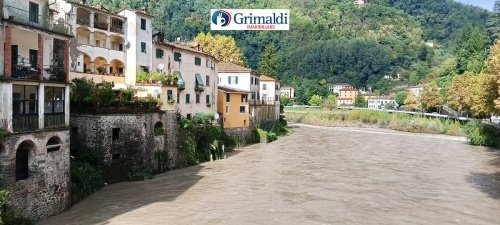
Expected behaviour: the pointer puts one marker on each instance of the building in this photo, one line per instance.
(368, 94)
(416, 90)
(379, 102)
(269, 90)
(196, 72)
(234, 108)
(235, 76)
(347, 96)
(287, 92)
(335, 88)
(34, 108)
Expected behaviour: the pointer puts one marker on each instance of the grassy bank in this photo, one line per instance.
(380, 119)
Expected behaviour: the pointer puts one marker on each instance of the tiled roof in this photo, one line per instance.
(184, 47)
(348, 89)
(235, 90)
(97, 7)
(381, 98)
(266, 78)
(231, 67)
(346, 99)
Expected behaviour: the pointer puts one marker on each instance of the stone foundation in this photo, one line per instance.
(126, 143)
(46, 189)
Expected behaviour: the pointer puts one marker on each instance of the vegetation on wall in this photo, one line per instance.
(9, 216)
(86, 175)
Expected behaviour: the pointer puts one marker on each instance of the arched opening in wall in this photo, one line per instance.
(83, 36)
(116, 67)
(86, 64)
(22, 159)
(100, 65)
(83, 17)
(54, 144)
(159, 129)
(2, 149)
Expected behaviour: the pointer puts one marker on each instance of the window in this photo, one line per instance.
(143, 24)
(276, 87)
(187, 98)
(188, 116)
(170, 95)
(34, 58)
(256, 82)
(276, 98)
(178, 99)
(177, 56)
(227, 109)
(207, 99)
(143, 47)
(229, 79)
(24, 99)
(228, 97)
(207, 81)
(244, 98)
(159, 53)
(253, 95)
(264, 87)
(251, 80)
(120, 47)
(54, 144)
(236, 79)
(116, 134)
(197, 98)
(243, 109)
(54, 100)
(33, 12)
(197, 61)
(207, 63)
(158, 129)
(22, 160)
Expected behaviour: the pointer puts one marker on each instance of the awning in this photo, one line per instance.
(180, 80)
(199, 80)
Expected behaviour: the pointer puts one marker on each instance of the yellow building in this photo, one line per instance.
(233, 106)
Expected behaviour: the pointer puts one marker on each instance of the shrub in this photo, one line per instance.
(143, 77)
(271, 137)
(85, 180)
(203, 118)
(482, 135)
(262, 135)
(158, 76)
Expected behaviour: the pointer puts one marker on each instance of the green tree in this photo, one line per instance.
(360, 102)
(469, 49)
(412, 102)
(431, 99)
(268, 63)
(330, 102)
(401, 97)
(493, 24)
(315, 100)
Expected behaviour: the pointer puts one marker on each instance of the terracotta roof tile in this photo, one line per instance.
(231, 67)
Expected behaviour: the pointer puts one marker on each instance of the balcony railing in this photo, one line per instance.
(55, 74)
(83, 21)
(24, 73)
(54, 120)
(116, 29)
(38, 21)
(25, 122)
(101, 25)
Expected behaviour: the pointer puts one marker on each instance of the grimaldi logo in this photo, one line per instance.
(250, 19)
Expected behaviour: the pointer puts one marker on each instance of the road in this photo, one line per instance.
(317, 175)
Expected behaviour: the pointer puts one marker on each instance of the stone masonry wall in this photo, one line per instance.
(46, 191)
(133, 148)
(263, 113)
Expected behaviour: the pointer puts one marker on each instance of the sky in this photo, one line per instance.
(487, 4)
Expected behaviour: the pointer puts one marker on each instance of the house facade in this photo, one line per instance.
(239, 77)
(197, 75)
(287, 92)
(335, 88)
(347, 96)
(416, 90)
(234, 108)
(269, 90)
(34, 108)
(379, 102)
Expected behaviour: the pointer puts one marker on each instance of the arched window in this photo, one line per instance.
(158, 129)
(22, 159)
(54, 144)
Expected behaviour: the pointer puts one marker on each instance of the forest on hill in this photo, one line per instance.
(338, 41)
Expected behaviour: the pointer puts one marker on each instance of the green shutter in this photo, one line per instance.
(177, 56)
(197, 98)
(187, 98)
(197, 61)
(236, 82)
(199, 80)
(228, 79)
(207, 99)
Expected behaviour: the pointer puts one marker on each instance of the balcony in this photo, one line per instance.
(24, 73)
(24, 17)
(55, 74)
(52, 121)
(101, 25)
(25, 122)
(83, 21)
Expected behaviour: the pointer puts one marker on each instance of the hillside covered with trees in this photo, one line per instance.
(338, 41)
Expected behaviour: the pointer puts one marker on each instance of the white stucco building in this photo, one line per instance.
(239, 77)
(287, 92)
(335, 88)
(379, 102)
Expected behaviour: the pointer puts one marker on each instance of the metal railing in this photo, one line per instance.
(24, 73)
(56, 74)
(45, 22)
(55, 120)
(25, 122)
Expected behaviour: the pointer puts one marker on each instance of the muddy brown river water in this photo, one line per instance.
(317, 175)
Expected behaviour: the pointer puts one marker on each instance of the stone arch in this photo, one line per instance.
(116, 67)
(100, 62)
(25, 154)
(54, 144)
(158, 128)
(86, 63)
